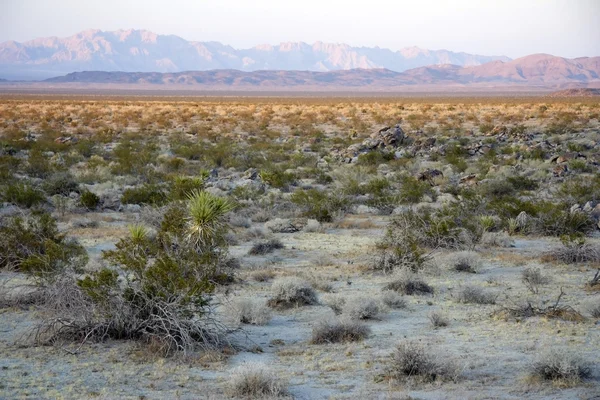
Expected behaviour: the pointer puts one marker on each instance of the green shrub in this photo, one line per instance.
(374, 158)
(413, 190)
(183, 186)
(33, 245)
(62, 183)
(23, 195)
(277, 178)
(89, 200)
(145, 194)
(318, 204)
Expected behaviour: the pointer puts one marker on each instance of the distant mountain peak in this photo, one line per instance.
(132, 50)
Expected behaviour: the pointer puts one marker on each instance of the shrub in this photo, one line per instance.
(23, 195)
(318, 204)
(339, 331)
(412, 360)
(89, 200)
(533, 278)
(464, 261)
(255, 381)
(393, 300)
(438, 320)
(145, 194)
(404, 255)
(183, 186)
(574, 250)
(164, 296)
(252, 312)
(496, 239)
(409, 284)
(413, 190)
(557, 222)
(475, 295)
(277, 178)
(263, 275)
(266, 247)
(561, 367)
(360, 308)
(61, 183)
(33, 245)
(292, 292)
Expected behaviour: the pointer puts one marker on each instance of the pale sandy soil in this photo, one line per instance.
(493, 354)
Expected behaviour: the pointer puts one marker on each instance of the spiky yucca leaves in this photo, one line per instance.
(205, 222)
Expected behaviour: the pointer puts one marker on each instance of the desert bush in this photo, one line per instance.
(263, 275)
(156, 288)
(562, 367)
(475, 295)
(255, 381)
(404, 255)
(62, 183)
(574, 249)
(339, 331)
(558, 221)
(277, 178)
(496, 239)
(23, 195)
(464, 261)
(145, 194)
(292, 292)
(412, 360)
(409, 284)
(318, 204)
(33, 244)
(266, 247)
(252, 312)
(438, 319)
(183, 186)
(412, 190)
(393, 300)
(89, 200)
(533, 278)
(240, 221)
(360, 308)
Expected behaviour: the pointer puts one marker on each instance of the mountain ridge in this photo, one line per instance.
(145, 51)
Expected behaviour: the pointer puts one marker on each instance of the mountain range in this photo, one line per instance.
(539, 70)
(144, 51)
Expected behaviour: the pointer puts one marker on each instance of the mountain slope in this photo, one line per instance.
(542, 71)
(144, 51)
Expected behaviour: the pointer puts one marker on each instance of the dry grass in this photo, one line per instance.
(339, 331)
(256, 381)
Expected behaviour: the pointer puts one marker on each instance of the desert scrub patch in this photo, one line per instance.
(62, 183)
(23, 195)
(409, 284)
(464, 261)
(475, 295)
(411, 360)
(438, 319)
(292, 292)
(340, 330)
(89, 200)
(574, 249)
(319, 205)
(360, 308)
(496, 239)
(33, 244)
(252, 312)
(145, 194)
(266, 247)
(562, 367)
(183, 186)
(256, 381)
(393, 300)
(533, 278)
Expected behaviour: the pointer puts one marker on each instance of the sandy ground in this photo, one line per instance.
(493, 353)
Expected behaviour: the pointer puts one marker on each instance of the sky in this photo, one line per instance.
(515, 28)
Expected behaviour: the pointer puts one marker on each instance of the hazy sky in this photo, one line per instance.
(568, 28)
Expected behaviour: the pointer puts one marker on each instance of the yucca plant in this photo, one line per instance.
(205, 221)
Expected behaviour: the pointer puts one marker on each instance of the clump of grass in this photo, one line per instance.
(256, 381)
(292, 292)
(339, 331)
(266, 247)
(393, 300)
(464, 261)
(476, 295)
(438, 319)
(252, 312)
(360, 308)
(263, 275)
(496, 239)
(410, 285)
(412, 360)
(563, 368)
(533, 278)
